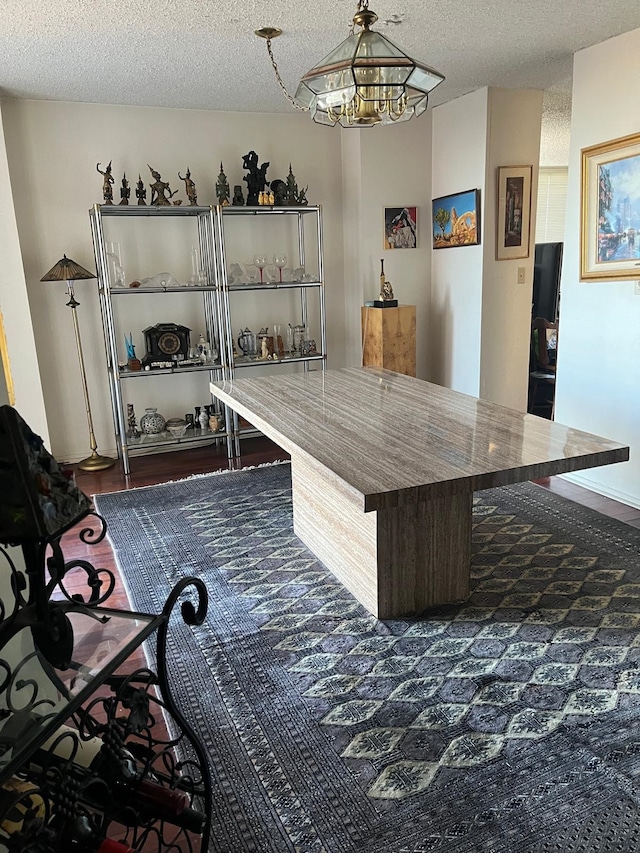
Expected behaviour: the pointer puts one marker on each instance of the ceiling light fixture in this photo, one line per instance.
(366, 80)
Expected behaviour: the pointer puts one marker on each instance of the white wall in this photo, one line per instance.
(52, 151)
(513, 140)
(458, 164)
(598, 374)
(14, 305)
(387, 167)
(480, 316)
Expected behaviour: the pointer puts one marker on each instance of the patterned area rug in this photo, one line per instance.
(507, 724)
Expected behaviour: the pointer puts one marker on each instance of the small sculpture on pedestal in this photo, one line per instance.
(386, 299)
(133, 363)
(279, 190)
(125, 190)
(107, 183)
(160, 191)
(238, 198)
(189, 187)
(222, 188)
(256, 179)
(293, 195)
(141, 191)
(132, 426)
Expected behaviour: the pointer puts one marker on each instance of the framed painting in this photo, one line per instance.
(456, 220)
(513, 226)
(400, 227)
(610, 211)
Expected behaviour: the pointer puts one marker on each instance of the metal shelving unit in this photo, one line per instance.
(230, 293)
(108, 292)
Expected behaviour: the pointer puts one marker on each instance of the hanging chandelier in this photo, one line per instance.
(366, 80)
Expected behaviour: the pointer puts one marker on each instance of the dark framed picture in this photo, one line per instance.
(610, 222)
(400, 227)
(513, 228)
(456, 220)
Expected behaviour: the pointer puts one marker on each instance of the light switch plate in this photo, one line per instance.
(521, 272)
(636, 288)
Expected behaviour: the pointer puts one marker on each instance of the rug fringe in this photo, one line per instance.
(198, 477)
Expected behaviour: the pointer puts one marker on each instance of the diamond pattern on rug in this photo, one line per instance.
(484, 727)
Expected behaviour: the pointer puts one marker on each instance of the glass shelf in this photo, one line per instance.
(161, 438)
(41, 697)
(247, 361)
(273, 285)
(184, 288)
(159, 371)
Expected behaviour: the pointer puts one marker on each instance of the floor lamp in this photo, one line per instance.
(69, 271)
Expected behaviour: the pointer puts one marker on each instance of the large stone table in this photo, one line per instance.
(384, 467)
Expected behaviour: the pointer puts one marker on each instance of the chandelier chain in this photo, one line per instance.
(281, 83)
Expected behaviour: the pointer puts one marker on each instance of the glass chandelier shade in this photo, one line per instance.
(367, 80)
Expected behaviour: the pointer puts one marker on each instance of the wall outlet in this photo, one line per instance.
(521, 271)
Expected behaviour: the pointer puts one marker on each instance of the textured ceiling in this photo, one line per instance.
(204, 55)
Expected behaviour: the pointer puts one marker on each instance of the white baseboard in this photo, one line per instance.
(581, 479)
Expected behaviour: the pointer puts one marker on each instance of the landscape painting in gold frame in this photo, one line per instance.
(514, 212)
(610, 210)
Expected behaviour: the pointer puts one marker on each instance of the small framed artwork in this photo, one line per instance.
(456, 220)
(610, 218)
(513, 227)
(400, 227)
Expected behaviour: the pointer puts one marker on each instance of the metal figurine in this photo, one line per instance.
(238, 198)
(125, 190)
(189, 187)
(256, 179)
(141, 191)
(293, 195)
(160, 191)
(222, 188)
(107, 184)
(132, 431)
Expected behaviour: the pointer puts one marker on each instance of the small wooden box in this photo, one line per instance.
(389, 338)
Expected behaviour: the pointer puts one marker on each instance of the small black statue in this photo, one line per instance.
(279, 190)
(238, 198)
(141, 191)
(256, 179)
(125, 190)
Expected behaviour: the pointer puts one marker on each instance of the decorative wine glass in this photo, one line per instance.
(260, 261)
(280, 261)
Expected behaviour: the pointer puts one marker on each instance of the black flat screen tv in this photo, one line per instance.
(546, 280)
(38, 501)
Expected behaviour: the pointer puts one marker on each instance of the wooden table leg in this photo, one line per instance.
(395, 561)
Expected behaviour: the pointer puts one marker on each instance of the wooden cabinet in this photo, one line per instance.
(389, 338)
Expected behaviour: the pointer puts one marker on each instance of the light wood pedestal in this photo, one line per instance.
(384, 467)
(389, 338)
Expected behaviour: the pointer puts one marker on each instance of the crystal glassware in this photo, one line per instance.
(280, 261)
(260, 261)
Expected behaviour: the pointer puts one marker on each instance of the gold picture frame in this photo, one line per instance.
(513, 231)
(609, 228)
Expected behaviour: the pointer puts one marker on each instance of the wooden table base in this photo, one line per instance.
(395, 561)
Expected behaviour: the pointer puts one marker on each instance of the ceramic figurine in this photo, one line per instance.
(189, 187)
(222, 188)
(107, 183)
(125, 190)
(203, 419)
(160, 191)
(141, 191)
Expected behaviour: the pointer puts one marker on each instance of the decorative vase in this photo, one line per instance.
(215, 422)
(152, 422)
